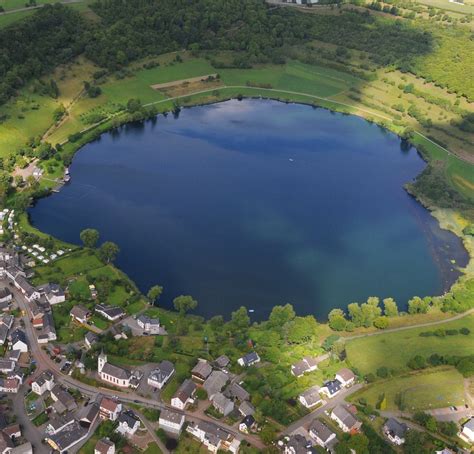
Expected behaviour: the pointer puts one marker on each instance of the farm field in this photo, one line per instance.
(394, 350)
(436, 388)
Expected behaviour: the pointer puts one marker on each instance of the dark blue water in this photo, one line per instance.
(258, 203)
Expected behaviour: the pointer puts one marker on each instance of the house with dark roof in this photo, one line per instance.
(128, 423)
(345, 419)
(395, 431)
(59, 394)
(6, 295)
(214, 437)
(148, 324)
(89, 414)
(18, 340)
(67, 438)
(104, 446)
(44, 382)
(184, 395)
(249, 359)
(48, 333)
(29, 292)
(331, 388)
(298, 444)
(53, 293)
(160, 376)
(7, 366)
(80, 314)
(222, 361)
(321, 433)
(90, 339)
(111, 313)
(247, 424)
(215, 382)
(59, 423)
(304, 366)
(235, 392)
(201, 371)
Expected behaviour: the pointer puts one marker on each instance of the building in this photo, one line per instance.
(18, 340)
(149, 325)
(128, 423)
(7, 366)
(5, 295)
(109, 408)
(48, 333)
(215, 383)
(104, 446)
(222, 362)
(184, 395)
(160, 376)
(297, 444)
(346, 377)
(111, 313)
(89, 414)
(467, 432)
(9, 385)
(29, 292)
(67, 438)
(247, 424)
(310, 398)
(331, 388)
(246, 409)
(44, 382)
(235, 392)
(222, 404)
(59, 423)
(249, 359)
(53, 293)
(111, 373)
(213, 437)
(80, 314)
(66, 401)
(321, 433)
(201, 371)
(395, 431)
(171, 421)
(304, 366)
(13, 355)
(90, 339)
(345, 419)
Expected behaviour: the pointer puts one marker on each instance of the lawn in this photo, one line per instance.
(7, 19)
(41, 419)
(394, 350)
(434, 388)
(152, 449)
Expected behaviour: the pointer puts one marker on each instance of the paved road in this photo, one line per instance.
(152, 432)
(45, 362)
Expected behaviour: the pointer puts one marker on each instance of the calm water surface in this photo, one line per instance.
(258, 203)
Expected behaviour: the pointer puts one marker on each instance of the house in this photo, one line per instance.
(9, 385)
(395, 431)
(235, 392)
(297, 444)
(149, 325)
(111, 373)
(7, 366)
(89, 414)
(29, 292)
(12, 431)
(6, 295)
(246, 409)
(44, 382)
(67, 438)
(247, 424)
(222, 404)
(467, 432)
(18, 341)
(104, 446)
(310, 398)
(346, 377)
(213, 437)
(304, 366)
(5, 324)
(171, 421)
(160, 376)
(345, 419)
(215, 382)
(222, 362)
(109, 408)
(201, 371)
(128, 423)
(5, 306)
(331, 388)
(13, 355)
(59, 423)
(184, 395)
(111, 313)
(321, 433)
(53, 293)
(6, 443)
(80, 314)
(59, 394)
(249, 359)
(90, 339)
(48, 333)
(118, 332)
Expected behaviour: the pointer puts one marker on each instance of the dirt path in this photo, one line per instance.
(30, 8)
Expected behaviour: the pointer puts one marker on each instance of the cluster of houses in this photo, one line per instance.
(70, 424)
(11, 437)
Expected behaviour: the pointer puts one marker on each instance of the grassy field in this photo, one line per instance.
(446, 5)
(435, 388)
(394, 350)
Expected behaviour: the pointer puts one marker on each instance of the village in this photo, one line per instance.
(44, 406)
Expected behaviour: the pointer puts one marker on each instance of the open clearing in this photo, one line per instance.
(435, 388)
(394, 350)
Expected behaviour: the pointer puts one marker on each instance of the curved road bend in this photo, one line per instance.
(44, 362)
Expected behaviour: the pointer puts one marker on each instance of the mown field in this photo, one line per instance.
(436, 388)
(394, 350)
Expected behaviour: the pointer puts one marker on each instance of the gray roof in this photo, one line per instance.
(79, 311)
(396, 428)
(18, 336)
(45, 376)
(215, 382)
(4, 292)
(311, 395)
(162, 372)
(111, 311)
(202, 369)
(128, 417)
(61, 421)
(299, 444)
(246, 408)
(171, 416)
(186, 390)
(90, 412)
(220, 401)
(91, 337)
(345, 416)
(69, 436)
(213, 432)
(115, 371)
(235, 391)
(320, 430)
(222, 361)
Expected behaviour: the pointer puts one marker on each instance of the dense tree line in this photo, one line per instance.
(36, 45)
